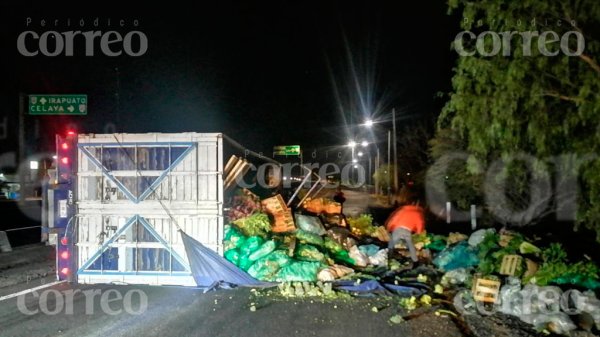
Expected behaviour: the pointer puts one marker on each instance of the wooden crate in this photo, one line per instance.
(509, 265)
(321, 205)
(282, 215)
(486, 290)
(274, 205)
(284, 222)
(382, 234)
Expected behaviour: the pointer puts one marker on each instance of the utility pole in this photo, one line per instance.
(118, 99)
(377, 170)
(21, 158)
(352, 174)
(369, 179)
(395, 152)
(389, 157)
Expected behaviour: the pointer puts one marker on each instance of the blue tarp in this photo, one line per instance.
(210, 270)
(460, 256)
(372, 288)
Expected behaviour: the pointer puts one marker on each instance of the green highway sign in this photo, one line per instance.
(58, 104)
(286, 150)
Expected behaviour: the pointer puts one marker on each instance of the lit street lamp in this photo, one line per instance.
(391, 140)
(352, 144)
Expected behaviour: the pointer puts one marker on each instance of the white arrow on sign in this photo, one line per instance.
(70, 108)
(43, 100)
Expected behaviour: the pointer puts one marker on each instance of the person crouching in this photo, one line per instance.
(402, 224)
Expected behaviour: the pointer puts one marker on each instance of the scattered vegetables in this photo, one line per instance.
(313, 252)
(555, 267)
(422, 239)
(528, 248)
(396, 319)
(309, 289)
(362, 225)
(409, 303)
(257, 224)
(244, 204)
(425, 300)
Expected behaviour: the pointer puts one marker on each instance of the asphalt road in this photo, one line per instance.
(175, 311)
(26, 266)
(357, 200)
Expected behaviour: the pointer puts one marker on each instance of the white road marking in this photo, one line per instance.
(27, 291)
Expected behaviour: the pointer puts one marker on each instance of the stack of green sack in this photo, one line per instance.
(250, 245)
(268, 260)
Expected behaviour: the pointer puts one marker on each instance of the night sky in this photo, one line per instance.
(263, 73)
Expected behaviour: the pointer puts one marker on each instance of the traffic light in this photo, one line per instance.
(65, 157)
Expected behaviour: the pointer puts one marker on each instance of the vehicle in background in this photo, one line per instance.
(9, 190)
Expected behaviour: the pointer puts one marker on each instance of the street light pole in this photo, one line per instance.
(365, 145)
(22, 147)
(395, 152)
(378, 188)
(352, 145)
(377, 170)
(370, 172)
(389, 157)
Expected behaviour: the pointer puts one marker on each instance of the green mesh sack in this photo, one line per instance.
(310, 238)
(344, 257)
(233, 256)
(245, 263)
(437, 245)
(264, 269)
(332, 246)
(250, 245)
(308, 253)
(257, 224)
(280, 257)
(233, 239)
(300, 271)
(264, 250)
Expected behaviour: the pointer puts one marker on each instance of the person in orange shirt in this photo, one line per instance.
(402, 224)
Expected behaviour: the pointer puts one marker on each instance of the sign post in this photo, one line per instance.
(286, 150)
(58, 104)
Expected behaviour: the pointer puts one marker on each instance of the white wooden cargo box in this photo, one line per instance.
(132, 192)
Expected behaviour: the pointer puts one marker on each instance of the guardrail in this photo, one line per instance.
(5, 245)
(22, 228)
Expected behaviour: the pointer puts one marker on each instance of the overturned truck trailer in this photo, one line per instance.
(119, 200)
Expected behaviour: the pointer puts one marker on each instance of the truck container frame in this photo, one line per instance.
(128, 197)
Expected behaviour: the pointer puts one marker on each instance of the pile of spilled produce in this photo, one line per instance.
(317, 251)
